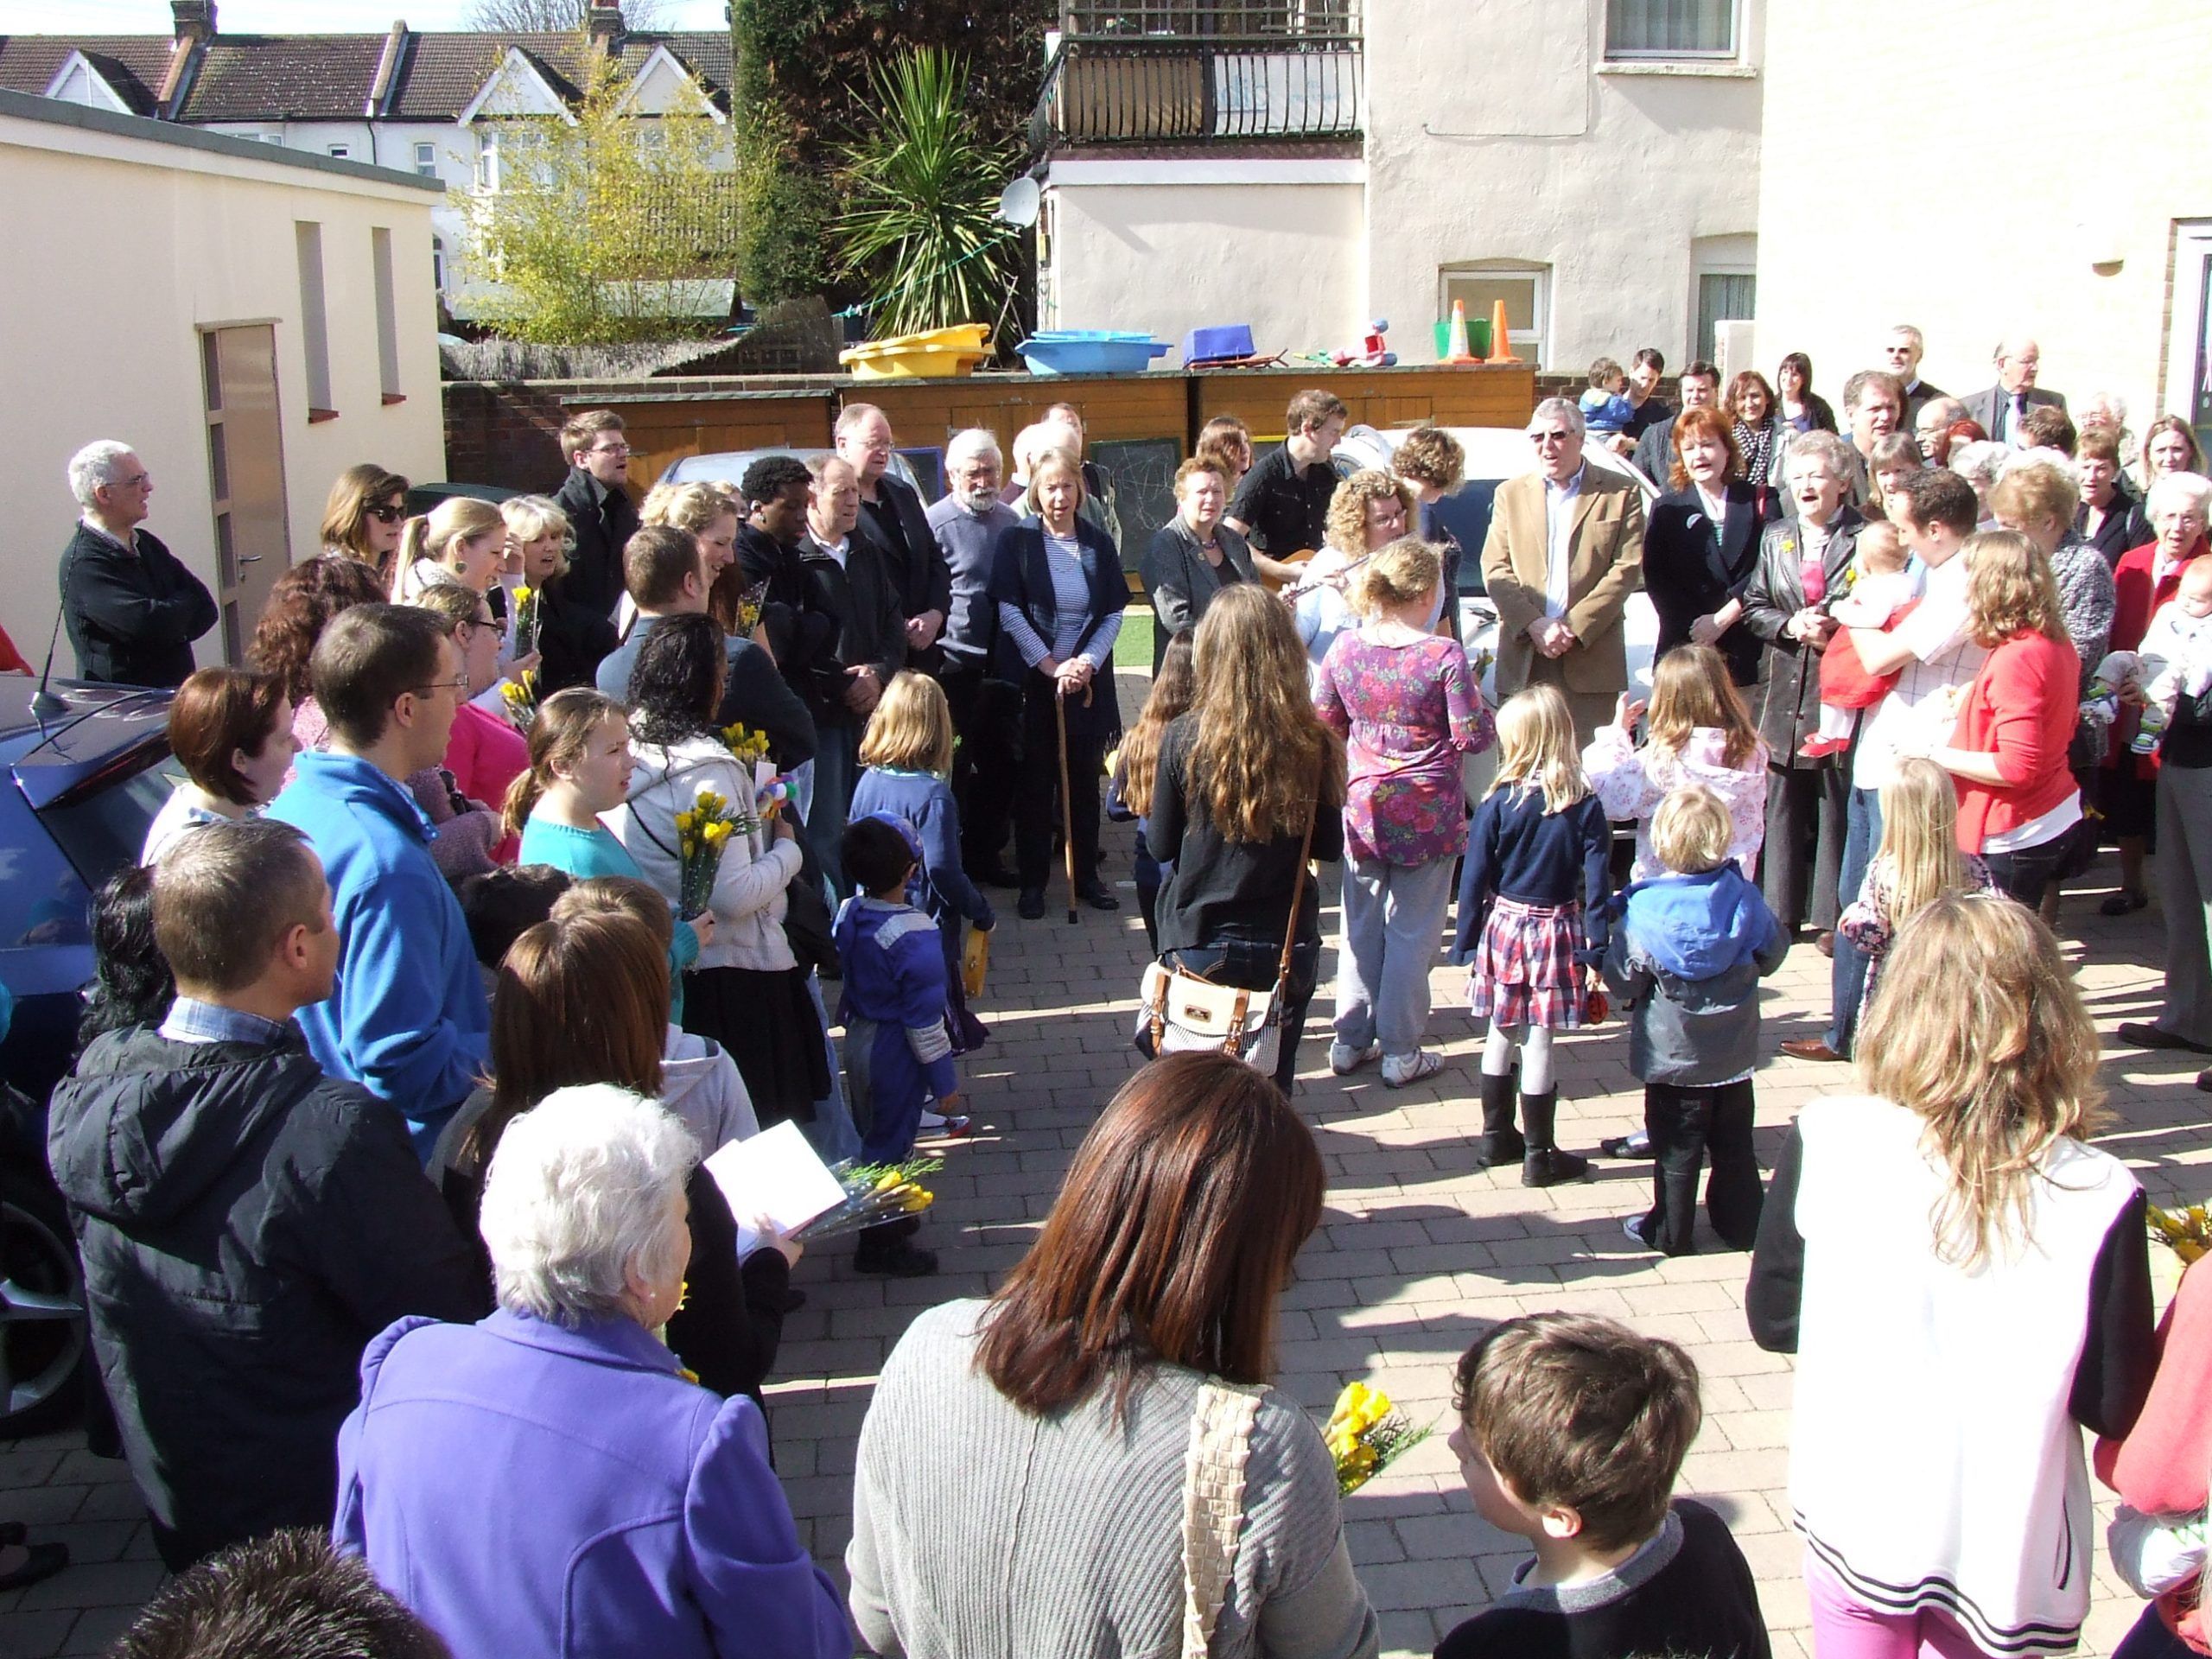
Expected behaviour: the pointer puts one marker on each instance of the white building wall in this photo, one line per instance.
(1170, 246)
(115, 353)
(2069, 233)
(1498, 133)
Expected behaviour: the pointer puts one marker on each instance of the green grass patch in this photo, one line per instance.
(1133, 648)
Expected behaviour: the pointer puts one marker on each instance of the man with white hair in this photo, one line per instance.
(1901, 354)
(1565, 551)
(2000, 409)
(131, 607)
(966, 523)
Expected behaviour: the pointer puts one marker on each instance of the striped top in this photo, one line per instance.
(1070, 611)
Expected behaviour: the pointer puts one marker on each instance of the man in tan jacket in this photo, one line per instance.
(1565, 551)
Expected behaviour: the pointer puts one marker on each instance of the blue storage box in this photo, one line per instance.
(1089, 351)
(1205, 345)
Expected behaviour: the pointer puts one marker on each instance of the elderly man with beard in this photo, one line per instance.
(966, 523)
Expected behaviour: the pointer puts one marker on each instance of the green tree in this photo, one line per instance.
(608, 228)
(921, 187)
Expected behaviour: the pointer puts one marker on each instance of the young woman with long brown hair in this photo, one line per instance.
(1965, 1281)
(1241, 781)
(1021, 1485)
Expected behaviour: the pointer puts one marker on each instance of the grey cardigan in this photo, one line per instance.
(983, 1532)
(1180, 580)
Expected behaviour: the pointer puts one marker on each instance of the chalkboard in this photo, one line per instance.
(1143, 471)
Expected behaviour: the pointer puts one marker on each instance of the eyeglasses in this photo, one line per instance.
(459, 684)
(390, 513)
(138, 483)
(482, 625)
(617, 449)
(1542, 440)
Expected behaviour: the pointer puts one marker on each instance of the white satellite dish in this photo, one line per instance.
(1019, 202)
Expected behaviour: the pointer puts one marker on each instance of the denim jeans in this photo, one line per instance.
(1847, 978)
(2025, 872)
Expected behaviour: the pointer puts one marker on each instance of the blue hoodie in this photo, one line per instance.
(408, 1019)
(1695, 926)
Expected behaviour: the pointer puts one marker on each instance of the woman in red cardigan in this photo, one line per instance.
(2145, 578)
(2018, 804)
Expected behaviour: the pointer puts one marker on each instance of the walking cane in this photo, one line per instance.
(1067, 798)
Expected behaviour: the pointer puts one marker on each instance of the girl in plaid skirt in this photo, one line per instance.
(1532, 925)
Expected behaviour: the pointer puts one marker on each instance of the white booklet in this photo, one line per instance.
(775, 1173)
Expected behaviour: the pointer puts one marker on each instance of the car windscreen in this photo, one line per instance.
(98, 833)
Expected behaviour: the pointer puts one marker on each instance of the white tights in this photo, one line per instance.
(1536, 1044)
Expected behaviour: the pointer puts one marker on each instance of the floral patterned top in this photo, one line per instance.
(1408, 712)
(1870, 921)
(1630, 783)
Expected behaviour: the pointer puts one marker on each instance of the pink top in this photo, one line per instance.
(1409, 712)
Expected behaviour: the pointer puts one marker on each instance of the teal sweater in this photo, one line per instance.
(585, 854)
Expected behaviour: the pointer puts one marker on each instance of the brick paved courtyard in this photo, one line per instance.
(1413, 1256)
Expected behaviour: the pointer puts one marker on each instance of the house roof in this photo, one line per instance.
(328, 77)
(132, 64)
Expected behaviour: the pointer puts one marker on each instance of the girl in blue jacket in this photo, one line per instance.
(1532, 924)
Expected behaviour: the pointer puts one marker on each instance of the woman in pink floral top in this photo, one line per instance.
(1404, 699)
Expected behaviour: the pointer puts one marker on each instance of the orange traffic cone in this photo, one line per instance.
(1501, 343)
(1456, 350)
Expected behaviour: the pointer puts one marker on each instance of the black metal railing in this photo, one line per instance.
(1148, 89)
(1205, 19)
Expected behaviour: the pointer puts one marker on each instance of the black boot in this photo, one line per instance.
(1544, 1164)
(883, 1249)
(1501, 1142)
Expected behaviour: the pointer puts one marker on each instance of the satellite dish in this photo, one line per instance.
(1019, 202)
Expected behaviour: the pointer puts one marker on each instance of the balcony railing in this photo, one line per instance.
(1134, 88)
(1206, 19)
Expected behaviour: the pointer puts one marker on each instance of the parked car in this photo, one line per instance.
(728, 467)
(81, 788)
(423, 497)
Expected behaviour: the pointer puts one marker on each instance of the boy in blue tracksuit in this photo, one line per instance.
(409, 1019)
(1685, 961)
(898, 1049)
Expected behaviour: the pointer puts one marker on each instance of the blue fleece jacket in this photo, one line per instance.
(1695, 926)
(408, 1020)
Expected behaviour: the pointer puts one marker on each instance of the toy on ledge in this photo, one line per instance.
(1372, 353)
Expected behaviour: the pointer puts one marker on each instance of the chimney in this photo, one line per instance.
(385, 86)
(195, 20)
(603, 23)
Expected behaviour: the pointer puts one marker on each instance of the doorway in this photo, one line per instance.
(245, 475)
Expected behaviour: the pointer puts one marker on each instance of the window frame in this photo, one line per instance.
(1532, 344)
(1733, 53)
(426, 159)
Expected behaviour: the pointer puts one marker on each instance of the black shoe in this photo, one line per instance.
(990, 873)
(896, 1259)
(1097, 895)
(794, 1300)
(1549, 1167)
(2124, 902)
(40, 1563)
(2142, 1034)
(1031, 906)
(1634, 1144)
(1501, 1143)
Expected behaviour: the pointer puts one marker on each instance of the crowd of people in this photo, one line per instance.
(543, 849)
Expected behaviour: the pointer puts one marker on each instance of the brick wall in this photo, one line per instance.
(507, 435)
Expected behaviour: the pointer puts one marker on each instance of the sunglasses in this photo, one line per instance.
(386, 515)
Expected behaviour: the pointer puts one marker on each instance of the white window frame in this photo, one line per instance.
(438, 263)
(1717, 256)
(1734, 53)
(315, 318)
(487, 158)
(339, 152)
(2190, 334)
(426, 159)
(1532, 344)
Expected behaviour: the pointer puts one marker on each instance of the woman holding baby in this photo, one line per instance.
(2020, 807)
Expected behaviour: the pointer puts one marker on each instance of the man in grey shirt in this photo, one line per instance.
(966, 523)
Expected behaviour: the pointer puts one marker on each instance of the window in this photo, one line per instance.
(387, 314)
(487, 159)
(340, 152)
(1721, 298)
(276, 138)
(314, 322)
(1670, 28)
(426, 160)
(438, 263)
(1479, 286)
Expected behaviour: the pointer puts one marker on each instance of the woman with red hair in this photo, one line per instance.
(1702, 544)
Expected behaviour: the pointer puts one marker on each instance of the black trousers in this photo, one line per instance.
(1036, 790)
(1685, 1126)
(1252, 965)
(987, 719)
(1803, 852)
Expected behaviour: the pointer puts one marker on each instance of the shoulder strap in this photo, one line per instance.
(1213, 1504)
(1297, 887)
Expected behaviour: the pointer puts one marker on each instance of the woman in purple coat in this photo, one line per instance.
(547, 1481)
